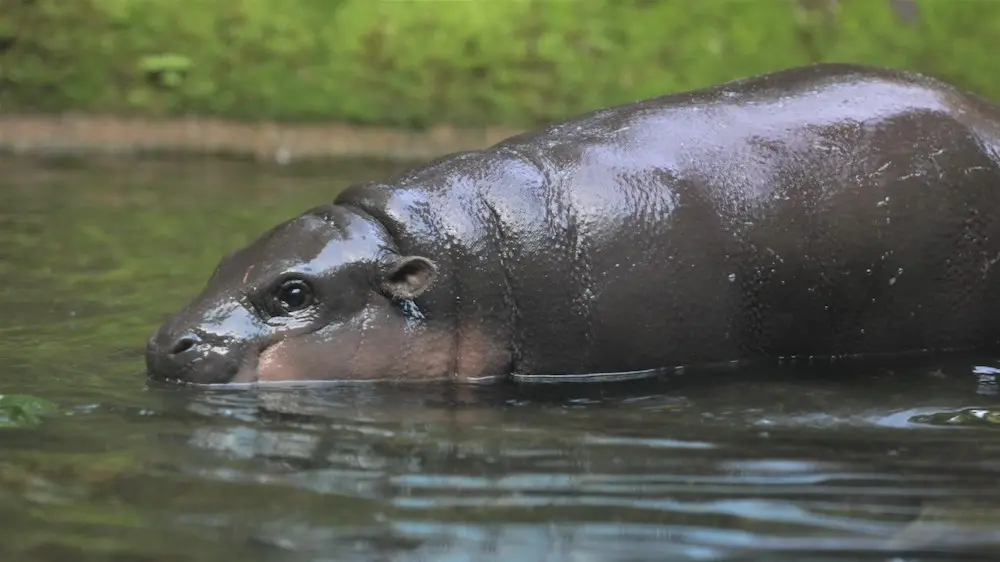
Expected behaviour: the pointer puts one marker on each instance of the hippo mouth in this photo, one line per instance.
(249, 371)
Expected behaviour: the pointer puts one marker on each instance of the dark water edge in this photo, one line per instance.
(886, 461)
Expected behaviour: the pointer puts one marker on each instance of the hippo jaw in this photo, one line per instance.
(321, 280)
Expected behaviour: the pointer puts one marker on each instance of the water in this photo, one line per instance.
(850, 462)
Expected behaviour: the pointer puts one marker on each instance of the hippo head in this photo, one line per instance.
(322, 296)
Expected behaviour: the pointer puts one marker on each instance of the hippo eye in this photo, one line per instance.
(293, 295)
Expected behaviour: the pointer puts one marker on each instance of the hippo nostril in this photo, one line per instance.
(184, 343)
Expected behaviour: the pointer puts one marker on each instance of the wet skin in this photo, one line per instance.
(824, 210)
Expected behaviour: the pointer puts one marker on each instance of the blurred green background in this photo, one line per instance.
(462, 62)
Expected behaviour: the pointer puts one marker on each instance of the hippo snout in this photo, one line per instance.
(187, 356)
(185, 344)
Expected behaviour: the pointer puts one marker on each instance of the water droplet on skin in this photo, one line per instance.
(732, 277)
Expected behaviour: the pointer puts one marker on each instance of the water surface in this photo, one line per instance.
(848, 462)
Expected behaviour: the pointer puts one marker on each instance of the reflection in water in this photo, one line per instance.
(838, 462)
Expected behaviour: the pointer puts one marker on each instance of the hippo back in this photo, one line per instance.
(824, 210)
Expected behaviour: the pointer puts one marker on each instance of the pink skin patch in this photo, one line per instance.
(360, 355)
(272, 364)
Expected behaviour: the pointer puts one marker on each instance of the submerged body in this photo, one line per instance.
(824, 210)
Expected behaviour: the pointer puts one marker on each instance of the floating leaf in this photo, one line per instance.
(21, 410)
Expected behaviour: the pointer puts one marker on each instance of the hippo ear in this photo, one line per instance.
(407, 277)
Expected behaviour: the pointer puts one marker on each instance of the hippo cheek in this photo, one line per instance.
(376, 345)
(314, 356)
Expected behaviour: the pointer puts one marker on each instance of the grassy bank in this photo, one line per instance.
(474, 62)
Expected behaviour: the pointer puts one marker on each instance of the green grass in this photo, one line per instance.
(472, 62)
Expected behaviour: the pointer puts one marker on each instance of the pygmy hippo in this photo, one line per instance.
(824, 210)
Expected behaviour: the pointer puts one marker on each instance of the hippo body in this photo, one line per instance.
(824, 210)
